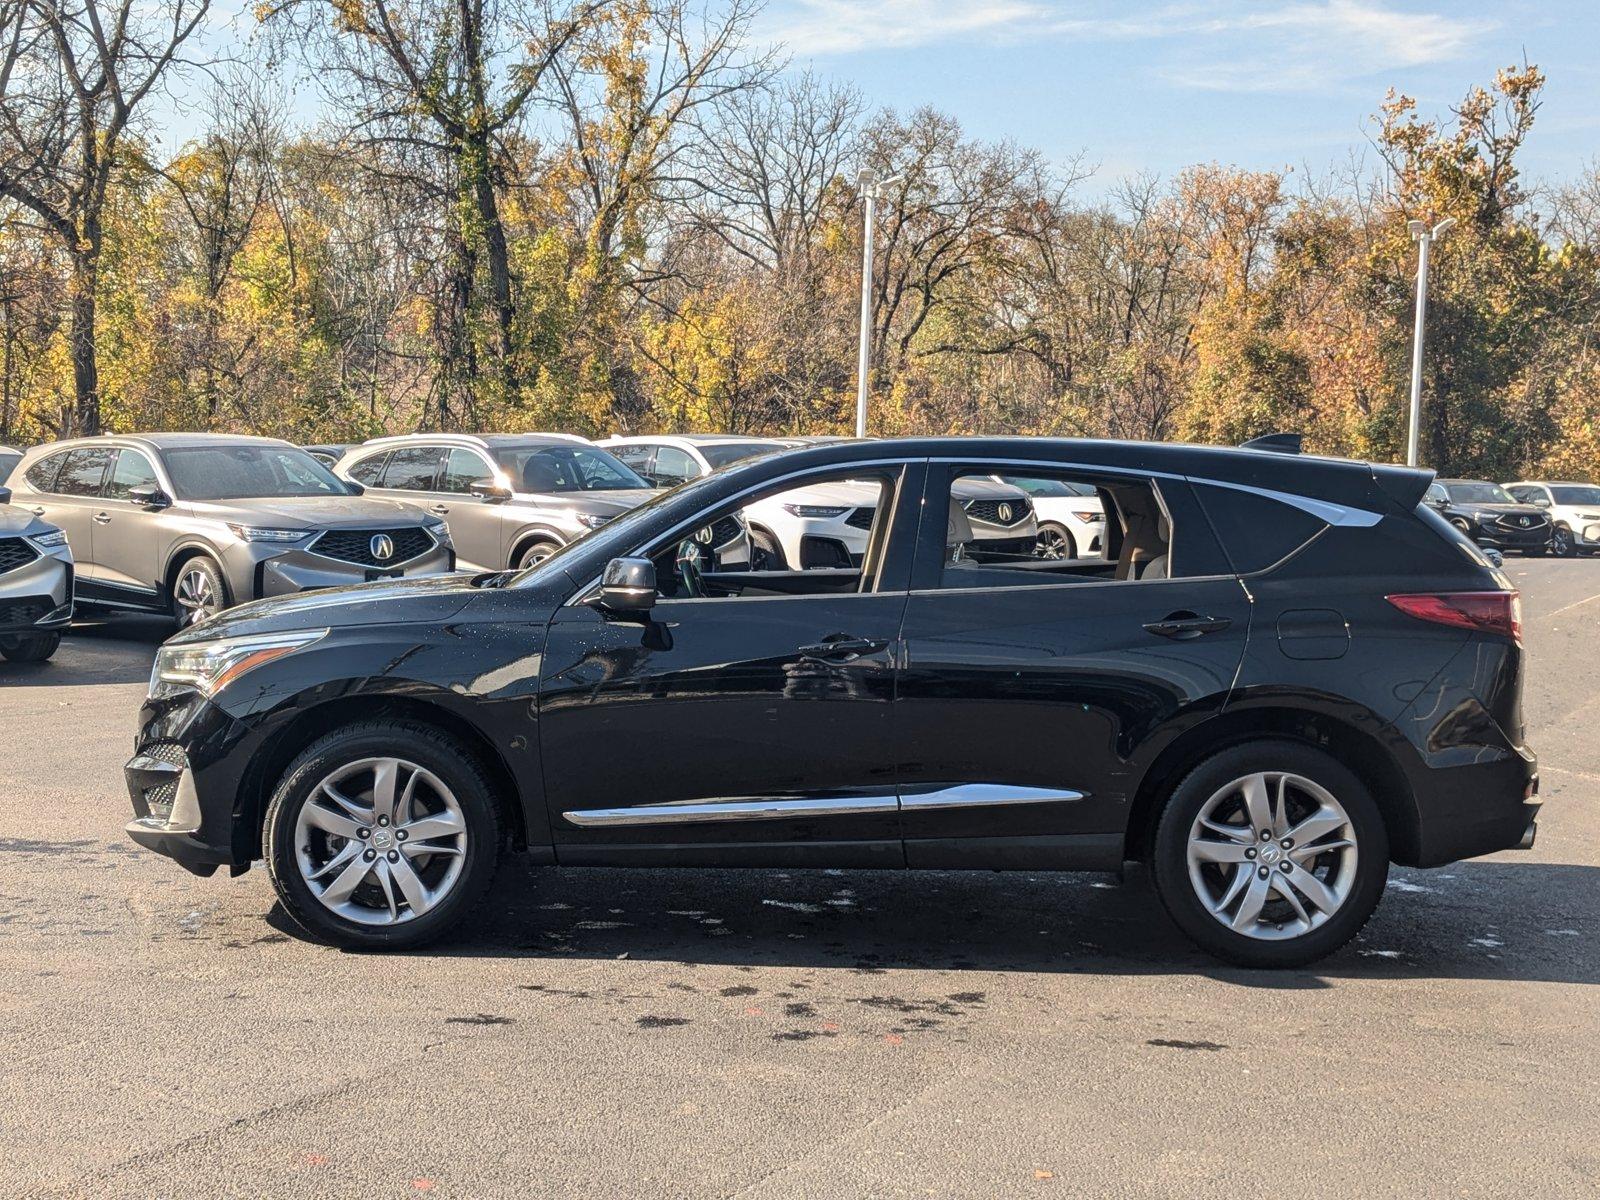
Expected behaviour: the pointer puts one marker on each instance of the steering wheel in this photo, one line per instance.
(690, 556)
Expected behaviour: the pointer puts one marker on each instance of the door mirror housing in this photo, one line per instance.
(1541, 502)
(149, 495)
(489, 490)
(628, 586)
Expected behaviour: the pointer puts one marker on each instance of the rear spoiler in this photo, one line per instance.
(1276, 443)
(1404, 485)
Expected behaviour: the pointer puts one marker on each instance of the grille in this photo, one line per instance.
(1517, 522)
(725, 531)
(861, 518)
(14, 553)
(167, 752)
(159, 799)
(355, 545)
(989, 511)
(21, 612)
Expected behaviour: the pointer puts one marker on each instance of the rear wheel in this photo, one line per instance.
(1055, 542)
(1271, 854)
(29, 647)
(199, 591)
(381, 835)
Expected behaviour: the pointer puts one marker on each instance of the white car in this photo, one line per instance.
(1574, 510)
(825, 525)
(1071, 518)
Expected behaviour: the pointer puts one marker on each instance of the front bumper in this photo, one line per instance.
(37, 596)
(258, 570)
(1503, 537)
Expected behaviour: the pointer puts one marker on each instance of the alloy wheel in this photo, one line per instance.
(196, 596)
(380, 841)
(1272, 855)
(1562, 544)
(1051, 544)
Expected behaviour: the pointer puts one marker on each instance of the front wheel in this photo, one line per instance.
(536, 552)
(381, 835)
(1271, 854)
(1054, 542)
(199, 592)
(1562, 543)
(29, 647)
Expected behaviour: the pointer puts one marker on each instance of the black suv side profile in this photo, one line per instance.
(1284, 674)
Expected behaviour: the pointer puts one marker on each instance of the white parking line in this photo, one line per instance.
(1573, 605)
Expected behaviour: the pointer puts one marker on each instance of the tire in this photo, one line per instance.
(535, 551)
(768, 551)
(1054, 537)
(1562, 543)
(376, 911)
(29, 647)
(1354, 876)
(199, 591)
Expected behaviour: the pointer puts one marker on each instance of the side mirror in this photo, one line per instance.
(149, 495)
(5, 495)
(628, 586)
(1541, 502)
(487, 489)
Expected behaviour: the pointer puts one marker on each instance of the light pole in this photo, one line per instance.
(871, 189)
(1423, 236)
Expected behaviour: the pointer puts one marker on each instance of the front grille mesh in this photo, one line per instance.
(16, 613)
(14, 553)
(1511, 522)
(167, 752)
(355, 545)
(989, 511)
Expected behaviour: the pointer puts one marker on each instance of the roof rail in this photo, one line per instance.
(1276, 443)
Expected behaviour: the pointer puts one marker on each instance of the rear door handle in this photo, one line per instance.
(102, 518)
(1181, 626)
(843, 646)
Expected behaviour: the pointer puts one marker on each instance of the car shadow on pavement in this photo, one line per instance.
(97, 650)
(1475, 920)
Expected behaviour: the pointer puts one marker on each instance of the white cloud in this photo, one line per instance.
(1232, 45)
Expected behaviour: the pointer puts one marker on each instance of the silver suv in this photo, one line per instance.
(190, 523)
(512, 500)
(35, 584)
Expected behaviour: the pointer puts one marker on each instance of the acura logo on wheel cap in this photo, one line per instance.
(382, 547)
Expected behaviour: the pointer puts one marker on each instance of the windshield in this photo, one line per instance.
(1478, 493)
(545, 468)
(1563, 493)
(720, 454)
(1048, 487)
(248, 472)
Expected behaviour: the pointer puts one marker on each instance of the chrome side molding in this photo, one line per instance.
(978, 795)
(746, 808)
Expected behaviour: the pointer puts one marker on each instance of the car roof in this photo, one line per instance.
(165, 441)
(482, 441)
(1550, 483)
(700, 439)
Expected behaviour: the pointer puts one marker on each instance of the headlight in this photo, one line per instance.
(1089, 516)
(49, 539)
(210, 666)
(591, 520)
(256, 533)
(439, 528)
(815, 510)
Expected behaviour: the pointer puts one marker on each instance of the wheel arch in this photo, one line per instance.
(1372, 762)
(180, 554)
(312, 722)
(533, 533)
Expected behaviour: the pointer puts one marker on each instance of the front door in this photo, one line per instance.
(477, 523)
(72, 501)
(127, 535)
(746, 721)
(1029, 685)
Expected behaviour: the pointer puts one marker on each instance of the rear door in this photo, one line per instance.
(1028, 687)
(73, 500)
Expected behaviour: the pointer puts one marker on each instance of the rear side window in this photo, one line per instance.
(366, 471)
(83, 473)
(412, 469)
(1256, 531)
(674, 466)
(41, 476)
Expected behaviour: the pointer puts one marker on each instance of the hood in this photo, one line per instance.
(1499, 510)
(985, 487)
(611, 503)
(312, 512)
(837, 493)
(421, 599)
(19, 522)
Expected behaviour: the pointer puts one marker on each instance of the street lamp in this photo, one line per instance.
(1423, 236)
(871, 190)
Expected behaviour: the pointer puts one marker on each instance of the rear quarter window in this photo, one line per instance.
(1256, 531)
(41, 477)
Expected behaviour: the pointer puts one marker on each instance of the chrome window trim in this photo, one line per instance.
(737, 808)
(982, 795)
(583, 594)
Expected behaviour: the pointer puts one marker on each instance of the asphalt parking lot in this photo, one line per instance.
(702, 1033)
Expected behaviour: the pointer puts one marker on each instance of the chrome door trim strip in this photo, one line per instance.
(979, 795)
(735, 808)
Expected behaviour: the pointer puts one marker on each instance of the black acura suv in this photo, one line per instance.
(1281, 675)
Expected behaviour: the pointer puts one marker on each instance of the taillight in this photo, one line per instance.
(1487, 612)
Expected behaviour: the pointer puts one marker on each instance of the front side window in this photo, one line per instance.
(412, 469)
(248, 472)
(673, 467)
(546, 469)
(1474, 492)
(462, 469)
(83, 473)
(634, 456)
(131, 470)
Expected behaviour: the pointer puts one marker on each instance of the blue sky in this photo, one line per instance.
(1155, 86)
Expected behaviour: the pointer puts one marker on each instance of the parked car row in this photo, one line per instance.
(1531, 518)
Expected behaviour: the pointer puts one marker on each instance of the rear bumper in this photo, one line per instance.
(1483, 808)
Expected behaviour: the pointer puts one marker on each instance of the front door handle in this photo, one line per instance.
(1181, 626)
(102, 518)
(843, 646)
